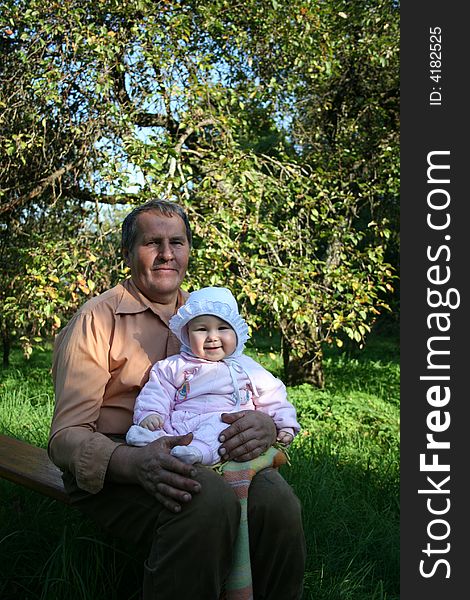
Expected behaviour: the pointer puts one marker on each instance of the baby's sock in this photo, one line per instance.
(187, 454)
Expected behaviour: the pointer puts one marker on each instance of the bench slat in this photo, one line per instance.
(30, 467)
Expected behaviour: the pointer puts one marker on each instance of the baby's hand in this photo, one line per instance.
(285, 437)
(152, 422)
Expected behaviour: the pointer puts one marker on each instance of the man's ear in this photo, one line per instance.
(125, 256)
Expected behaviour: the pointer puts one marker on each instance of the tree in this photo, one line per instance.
(251, 116)
(333, 73)
(47, 144)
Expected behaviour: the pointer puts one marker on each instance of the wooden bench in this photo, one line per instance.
(30, 467)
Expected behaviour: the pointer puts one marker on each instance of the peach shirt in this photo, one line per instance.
(102, 359)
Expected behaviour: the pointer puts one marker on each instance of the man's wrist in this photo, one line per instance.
(122, 465)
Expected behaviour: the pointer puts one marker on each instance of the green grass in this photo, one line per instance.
(344, 468)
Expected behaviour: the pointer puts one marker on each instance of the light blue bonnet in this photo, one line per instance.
(216, 301)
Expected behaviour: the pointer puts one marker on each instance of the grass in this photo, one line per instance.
(344, 468)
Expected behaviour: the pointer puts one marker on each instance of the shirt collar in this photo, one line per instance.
(133, 301)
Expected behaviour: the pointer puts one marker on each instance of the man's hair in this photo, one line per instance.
(164, 207)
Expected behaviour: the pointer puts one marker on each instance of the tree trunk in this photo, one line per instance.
(6, 348)
(307, 368)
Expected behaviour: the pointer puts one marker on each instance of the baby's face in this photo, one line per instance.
(211, 338)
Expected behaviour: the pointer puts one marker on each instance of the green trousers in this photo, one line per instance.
(189, 554)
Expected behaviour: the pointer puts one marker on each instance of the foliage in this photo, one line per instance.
(275, 124)
(273, 249)
(48, 274)
(335, 69)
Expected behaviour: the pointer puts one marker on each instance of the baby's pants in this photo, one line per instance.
(205, 428)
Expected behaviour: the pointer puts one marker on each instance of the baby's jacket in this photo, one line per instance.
(198, 386)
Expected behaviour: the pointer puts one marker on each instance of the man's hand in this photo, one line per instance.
(250, 433)
(163, 476)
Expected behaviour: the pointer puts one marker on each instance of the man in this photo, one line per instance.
(184, 516)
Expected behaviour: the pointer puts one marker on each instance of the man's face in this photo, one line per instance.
(159, 258)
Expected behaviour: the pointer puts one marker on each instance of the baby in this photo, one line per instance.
(189, 391)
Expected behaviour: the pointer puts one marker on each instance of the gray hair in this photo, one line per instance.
(164, 207)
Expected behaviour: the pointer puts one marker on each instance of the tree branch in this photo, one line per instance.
(111, 199)
(141, 118)
(39, 189)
